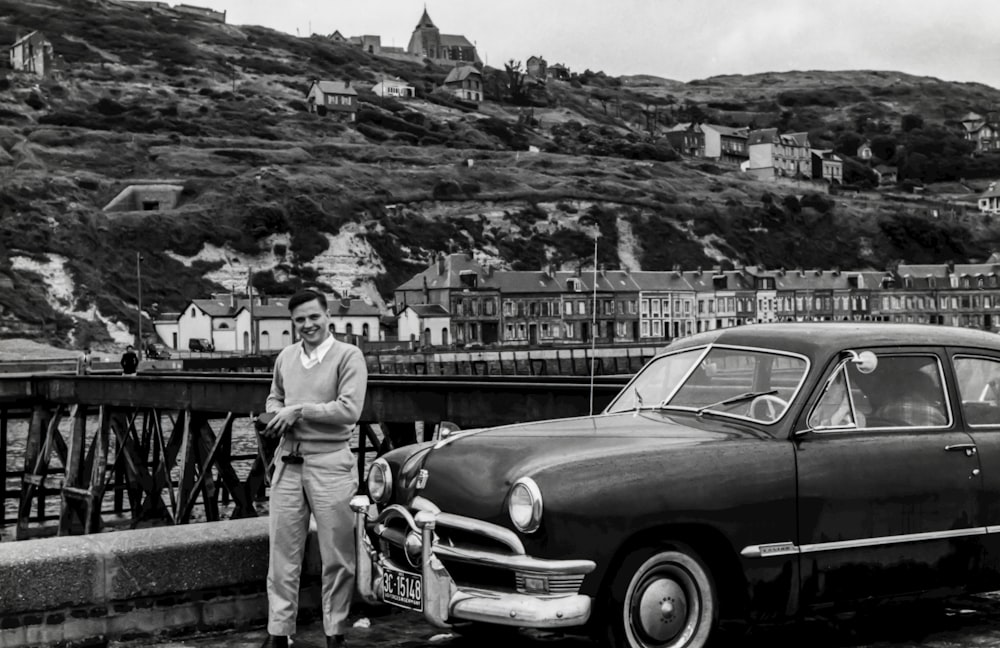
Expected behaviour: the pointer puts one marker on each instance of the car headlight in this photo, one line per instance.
(379, 481)
(525, 505)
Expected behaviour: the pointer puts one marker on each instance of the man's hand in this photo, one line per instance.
(283, 420)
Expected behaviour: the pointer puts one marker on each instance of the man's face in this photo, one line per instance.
(311, 321)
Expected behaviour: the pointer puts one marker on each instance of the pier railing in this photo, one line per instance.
(168, 448)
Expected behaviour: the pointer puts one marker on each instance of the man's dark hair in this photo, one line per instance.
(304, 296)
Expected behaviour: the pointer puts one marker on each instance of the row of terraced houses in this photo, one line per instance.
(459, 301)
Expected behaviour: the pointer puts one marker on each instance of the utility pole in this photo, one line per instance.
(138, 279)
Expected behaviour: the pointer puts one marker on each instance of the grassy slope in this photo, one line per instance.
(219, 109)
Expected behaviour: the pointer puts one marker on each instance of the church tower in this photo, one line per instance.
(426, 39)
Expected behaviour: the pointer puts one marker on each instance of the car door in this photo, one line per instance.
(977, 381)
(887, 494)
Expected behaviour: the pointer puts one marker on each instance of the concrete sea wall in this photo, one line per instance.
(87, 590)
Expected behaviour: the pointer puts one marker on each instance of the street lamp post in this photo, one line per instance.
(138, 278)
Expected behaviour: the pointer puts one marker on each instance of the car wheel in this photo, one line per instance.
(661, 598)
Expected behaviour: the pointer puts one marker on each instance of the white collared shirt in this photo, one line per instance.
(310, 360)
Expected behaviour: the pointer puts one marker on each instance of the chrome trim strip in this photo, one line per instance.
(539, 566)
(787, 548)
(768, 550)
(492, 531)
(521, 610)
(894, 539)
(396, 511)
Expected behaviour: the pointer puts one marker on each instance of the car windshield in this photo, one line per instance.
(755, 384)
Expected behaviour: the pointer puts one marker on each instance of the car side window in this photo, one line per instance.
(979, 389)
(836, 408)
(904, 391)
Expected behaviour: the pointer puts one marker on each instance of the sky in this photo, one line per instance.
(675, 39)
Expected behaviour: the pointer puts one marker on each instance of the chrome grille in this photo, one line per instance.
(558, 583)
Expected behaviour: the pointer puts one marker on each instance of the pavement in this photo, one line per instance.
(965, 622)
(382, 627)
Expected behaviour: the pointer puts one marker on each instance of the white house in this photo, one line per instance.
(760, 147)
(395, 88)
(356, 317)
(427, 323)
(166, 328)
(989, 200)
(271, 322)
(232, 323)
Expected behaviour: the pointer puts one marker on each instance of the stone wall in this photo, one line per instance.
(87, 590)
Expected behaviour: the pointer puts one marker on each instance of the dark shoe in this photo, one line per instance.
(273, 641)
(336, 641)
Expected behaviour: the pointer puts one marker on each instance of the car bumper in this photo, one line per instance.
(444, 601)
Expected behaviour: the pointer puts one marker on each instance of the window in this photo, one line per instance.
(902, 391)
(581, 308)
(567, 308)
(979, 388)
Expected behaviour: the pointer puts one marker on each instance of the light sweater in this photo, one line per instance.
(332, 394)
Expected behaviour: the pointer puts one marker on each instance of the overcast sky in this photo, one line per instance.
(677, 39)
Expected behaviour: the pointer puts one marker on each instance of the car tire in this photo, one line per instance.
(661, 597)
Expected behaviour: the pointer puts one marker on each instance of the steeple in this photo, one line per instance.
(425, 21)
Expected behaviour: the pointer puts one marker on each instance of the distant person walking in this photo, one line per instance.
(83, 362)
(317, 393)
(129, 361)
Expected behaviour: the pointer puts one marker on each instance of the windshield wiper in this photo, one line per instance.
(739, 398)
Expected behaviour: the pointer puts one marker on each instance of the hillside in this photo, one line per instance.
(292, 198)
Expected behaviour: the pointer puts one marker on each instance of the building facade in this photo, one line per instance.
(428, 42)
(554, 307)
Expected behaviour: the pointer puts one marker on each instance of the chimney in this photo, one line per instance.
(441, 263)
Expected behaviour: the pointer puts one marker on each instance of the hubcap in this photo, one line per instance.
(662, 609)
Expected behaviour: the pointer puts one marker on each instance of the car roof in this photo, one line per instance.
(819, 339)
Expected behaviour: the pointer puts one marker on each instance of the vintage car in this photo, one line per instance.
(758, 472)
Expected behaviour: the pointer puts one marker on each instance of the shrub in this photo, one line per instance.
(818, 202)
(35, 101)
(108, 106)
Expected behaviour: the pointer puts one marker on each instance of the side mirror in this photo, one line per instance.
(866, 361)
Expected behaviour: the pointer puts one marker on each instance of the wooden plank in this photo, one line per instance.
(208, 452)
(187, 464)
(98, 473)
(3, 466)
(75, 458)
(240, 491)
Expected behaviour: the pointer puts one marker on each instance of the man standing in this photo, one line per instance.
(130, 361)
(317, 394)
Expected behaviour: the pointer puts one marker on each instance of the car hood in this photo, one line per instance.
(471, 472)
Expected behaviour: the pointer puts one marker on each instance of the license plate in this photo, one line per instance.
(403, 589)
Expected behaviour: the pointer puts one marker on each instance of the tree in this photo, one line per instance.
(911, 122)
(515, 81)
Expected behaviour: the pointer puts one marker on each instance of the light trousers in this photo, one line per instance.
(323, 486)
